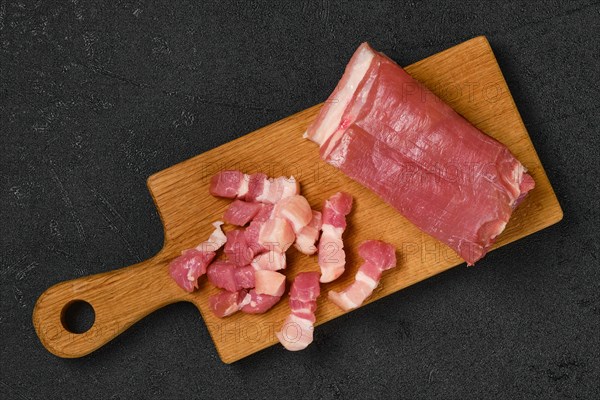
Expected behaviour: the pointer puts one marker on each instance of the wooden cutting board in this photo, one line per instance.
(466, 76)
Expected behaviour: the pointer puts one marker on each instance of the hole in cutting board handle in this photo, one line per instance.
(78, 316)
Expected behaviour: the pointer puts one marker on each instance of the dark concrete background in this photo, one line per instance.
(97, 96)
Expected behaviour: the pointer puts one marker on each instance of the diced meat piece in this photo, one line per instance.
(241, 212)
(252, 188)
(294, 209)
(276, 234)
(379, 253)
(226, 184)
(306, 287)
(269, 282)
(226, 303)
(378, 256)
(226, 275)
(264, 213)
(252, 234)
(307, 238)
(276, 189)
(256, 183)
(391, 134)
(336, 208)
(296, 333)
(297, 330)
(216, 240)
(189, 266)
(332, 257)
(192, 263)
(269, 260)
(237, 248)
(259, 303)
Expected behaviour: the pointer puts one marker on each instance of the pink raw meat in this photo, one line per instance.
(226, 303)
(294, 209)
(265, 212)
(192, 263)
(307, 238)
(252, 188)
(252, 234)
(379, 257)
(276, 234)
(241, 212)
(332, 257)
(391, 134)
(259, 303)
(297, 330)
(269, 282)
(269, 260)
(226, 275)
(227, 184)
(237, 248)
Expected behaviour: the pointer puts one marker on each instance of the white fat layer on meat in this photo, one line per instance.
(216, 240)
(296, 333)
(331, 231)
(330, 273)
(264, 196)
(334, 115)
(342, 300)
(290, 187)
(243, 190)
(517, 178)
(337, 158)
(231, 309)
(370, 282)
(305, 244)
(245, 301)
(190, 277)
(303, 310)
(499, 229)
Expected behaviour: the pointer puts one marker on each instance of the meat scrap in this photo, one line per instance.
(269, 282)
(297, 330)
(295, 210)
(241, 212)
(388, 132)
(256, 303)
(226, 303)
(270, 260)
(379, 257)
(332, 257)
(237, 248)
(276, 234)
(252, 188)
(307, 238)
(226, 275)
(192, 263)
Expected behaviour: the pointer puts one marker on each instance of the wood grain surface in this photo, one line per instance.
(466, 76)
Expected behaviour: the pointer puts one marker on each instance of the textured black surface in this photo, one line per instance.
(97, 96)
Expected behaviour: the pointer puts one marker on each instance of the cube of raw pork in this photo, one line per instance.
(379, 257)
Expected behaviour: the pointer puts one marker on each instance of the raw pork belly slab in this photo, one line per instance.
(388, 132)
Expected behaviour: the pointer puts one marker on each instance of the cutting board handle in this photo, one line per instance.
(120, 298)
